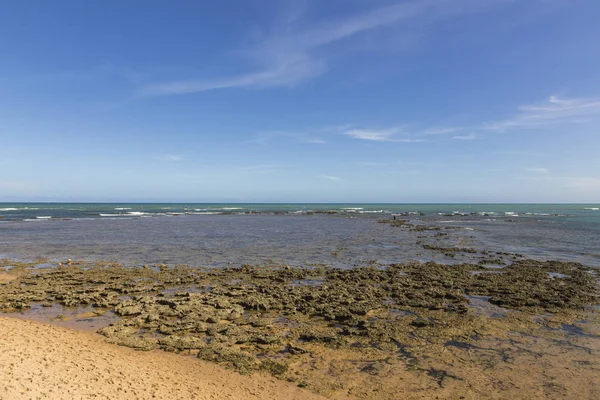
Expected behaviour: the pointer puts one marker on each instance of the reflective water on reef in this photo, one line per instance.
(337, 240)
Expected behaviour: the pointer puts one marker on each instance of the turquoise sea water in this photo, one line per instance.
(584, 213)
(336, 234)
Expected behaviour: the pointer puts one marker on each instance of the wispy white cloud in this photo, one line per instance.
(289, 71)
(538, 170)
(370, 134)
(470, 136)
(169, 157)
(288, 57)
(383, 135)
(314, 140)
(555, 111)
(439, 131)
(395, 134)
(330, 177)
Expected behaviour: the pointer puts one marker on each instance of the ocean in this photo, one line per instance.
(341, 235)
(585, 213)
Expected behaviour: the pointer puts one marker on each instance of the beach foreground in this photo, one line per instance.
(40, 361)
(415, 330)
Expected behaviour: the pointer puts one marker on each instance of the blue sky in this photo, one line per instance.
(300, 100)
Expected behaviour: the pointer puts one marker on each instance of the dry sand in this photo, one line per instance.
(39, 361)
(6, 278)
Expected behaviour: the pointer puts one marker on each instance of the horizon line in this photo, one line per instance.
(279, 202)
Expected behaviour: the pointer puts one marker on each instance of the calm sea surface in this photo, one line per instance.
(335, 234)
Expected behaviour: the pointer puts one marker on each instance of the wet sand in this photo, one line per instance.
(39, 361)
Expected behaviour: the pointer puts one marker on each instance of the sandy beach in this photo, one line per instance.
(39, 361)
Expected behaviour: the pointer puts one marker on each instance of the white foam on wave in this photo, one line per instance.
(9, 209)
(592, 208)
(204, 213)
(352, 208)
(122, 208)
(120, 216)
(229, 208)
(38, 218)
(136, 213)
(462, 214)
(511, 213)
(373, 212)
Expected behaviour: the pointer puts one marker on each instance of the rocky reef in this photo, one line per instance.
(284, 320)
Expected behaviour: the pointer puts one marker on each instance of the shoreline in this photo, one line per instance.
(364, 333)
